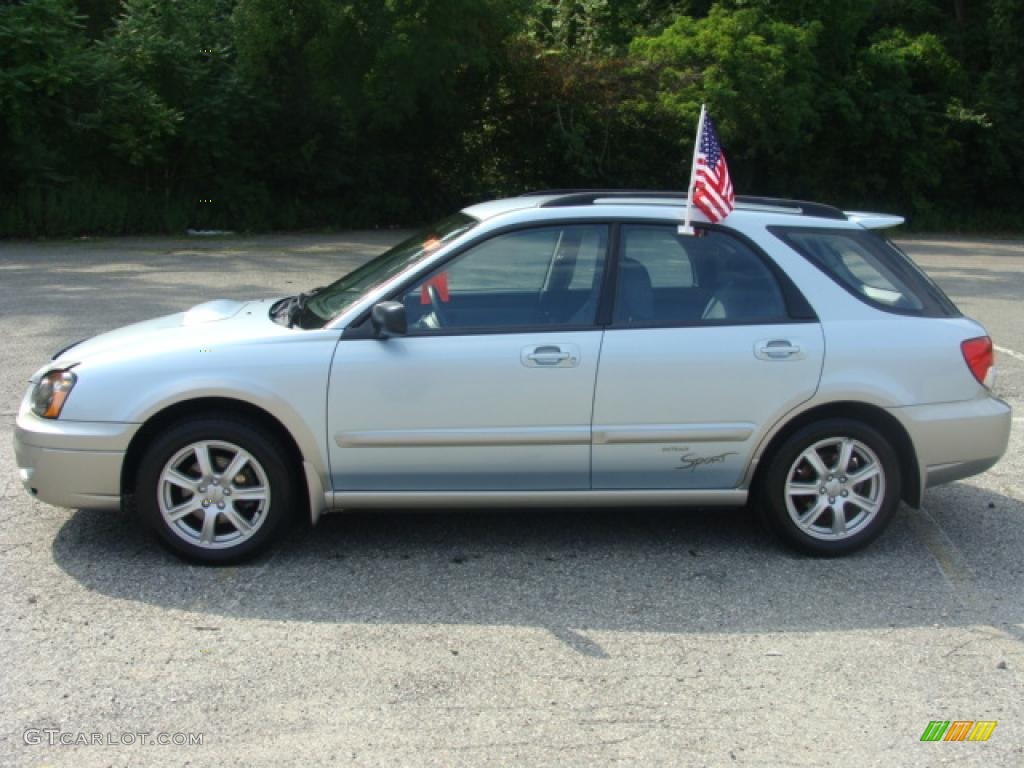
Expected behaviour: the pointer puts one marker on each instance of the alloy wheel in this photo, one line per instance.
(213, 494)
(835, 488)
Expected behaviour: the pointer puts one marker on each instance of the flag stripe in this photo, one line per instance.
(712, 190)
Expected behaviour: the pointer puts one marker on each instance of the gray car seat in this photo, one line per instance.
(635, 304)
(745, 290)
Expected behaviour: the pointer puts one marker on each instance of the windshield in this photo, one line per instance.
(319, 306)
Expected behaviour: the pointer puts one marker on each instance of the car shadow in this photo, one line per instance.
(642, 570)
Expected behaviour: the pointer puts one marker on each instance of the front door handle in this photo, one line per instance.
(551, 356)
(777, 349)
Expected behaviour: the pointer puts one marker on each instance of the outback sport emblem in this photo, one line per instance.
(692, 461)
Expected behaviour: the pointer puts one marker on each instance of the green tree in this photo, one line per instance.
(171, 108)
(43, 59)
(757, 76)
(374, 101)
(122, 116)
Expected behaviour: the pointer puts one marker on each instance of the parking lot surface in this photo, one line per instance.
(550, 637)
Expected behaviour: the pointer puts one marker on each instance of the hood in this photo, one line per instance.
(208, 323)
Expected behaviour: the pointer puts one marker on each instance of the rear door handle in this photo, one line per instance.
(551, 356)
(777, 349)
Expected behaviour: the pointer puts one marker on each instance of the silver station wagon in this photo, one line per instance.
(565, 348)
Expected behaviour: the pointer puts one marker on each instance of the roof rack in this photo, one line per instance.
(802, 207)
(604, 192)
(562, 198)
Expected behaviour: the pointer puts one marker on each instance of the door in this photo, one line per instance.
(702, 355)
(492, 387)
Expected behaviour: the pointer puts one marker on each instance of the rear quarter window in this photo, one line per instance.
(871, 268)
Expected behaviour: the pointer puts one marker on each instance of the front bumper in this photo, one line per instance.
(75, 464)
(957, 440)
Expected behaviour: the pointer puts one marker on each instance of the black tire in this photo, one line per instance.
(278, 475)
(773, 494)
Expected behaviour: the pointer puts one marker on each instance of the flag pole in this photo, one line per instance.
(686, 228)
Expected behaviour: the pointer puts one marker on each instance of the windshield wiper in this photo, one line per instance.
(296, 305)
(281, 307)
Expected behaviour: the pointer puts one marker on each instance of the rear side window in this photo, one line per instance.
(662, 253)
(667, 279)
(871, 268)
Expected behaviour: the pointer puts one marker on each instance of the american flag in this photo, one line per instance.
(712, 188)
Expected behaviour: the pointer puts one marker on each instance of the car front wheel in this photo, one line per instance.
(215, 489)
(832, 487)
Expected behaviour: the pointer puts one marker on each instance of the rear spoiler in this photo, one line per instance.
(874, 220)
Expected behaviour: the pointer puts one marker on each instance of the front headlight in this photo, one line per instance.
(51, 392)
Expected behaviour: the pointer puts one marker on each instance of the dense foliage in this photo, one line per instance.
(157, 115)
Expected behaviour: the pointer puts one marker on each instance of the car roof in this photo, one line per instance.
(492, 208)
(670, 205)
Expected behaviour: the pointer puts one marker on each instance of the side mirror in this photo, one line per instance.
(388, 318)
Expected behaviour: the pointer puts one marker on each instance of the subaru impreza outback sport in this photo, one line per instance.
(559, 348)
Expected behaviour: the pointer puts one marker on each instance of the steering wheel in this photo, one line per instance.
(436, 306)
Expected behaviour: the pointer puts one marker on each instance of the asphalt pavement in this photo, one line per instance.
(512, 638)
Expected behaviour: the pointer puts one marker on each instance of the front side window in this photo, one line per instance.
(535, 278)
(325, 303)
(665, 278)
(870, 268)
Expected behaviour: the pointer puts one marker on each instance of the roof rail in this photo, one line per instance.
(591, 196)
(568, 197)
(602, 192)
(802, 207)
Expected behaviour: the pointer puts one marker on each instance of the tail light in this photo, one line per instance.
(978, 356)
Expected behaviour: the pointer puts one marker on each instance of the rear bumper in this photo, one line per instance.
(73, 464)
(957, 440)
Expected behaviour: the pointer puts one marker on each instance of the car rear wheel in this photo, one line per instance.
(832, 487)
(215, 489)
